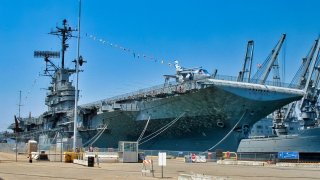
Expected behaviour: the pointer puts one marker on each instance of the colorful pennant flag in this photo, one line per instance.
(131, 51)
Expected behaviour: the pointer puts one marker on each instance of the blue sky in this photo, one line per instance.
(212, 34)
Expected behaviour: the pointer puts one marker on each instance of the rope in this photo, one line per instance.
(169, 124)
(99, 131)
(228, 132)
(135, 54)
(27, 97)
(54, 138)
(161, 130)
(96, 136)
(100, 134)
(144, 130)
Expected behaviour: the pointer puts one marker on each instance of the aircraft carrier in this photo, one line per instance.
(192, 111)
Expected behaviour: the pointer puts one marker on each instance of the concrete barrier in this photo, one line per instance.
(103, 156)
(303, 165)
(243, 163)
(251, 163)
(80, 162)
(194, 176)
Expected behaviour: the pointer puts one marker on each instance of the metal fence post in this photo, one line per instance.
(39, 149)
(61, 146)
(16, 146)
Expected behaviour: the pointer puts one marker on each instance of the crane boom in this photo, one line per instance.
(310, 81)
(274, 56)
(305, 69)
(245, 74)
(309, 64)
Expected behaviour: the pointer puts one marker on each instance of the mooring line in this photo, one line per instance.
(228, 132)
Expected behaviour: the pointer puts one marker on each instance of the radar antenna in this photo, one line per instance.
(65, 33)
(50, 66)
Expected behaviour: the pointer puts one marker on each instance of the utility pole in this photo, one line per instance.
(19, 102)
(77, 81)
(17, 128)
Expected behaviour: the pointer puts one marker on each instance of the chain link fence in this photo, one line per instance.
(54, 149)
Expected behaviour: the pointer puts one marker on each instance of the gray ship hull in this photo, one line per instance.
(306, 141)
(209, 115)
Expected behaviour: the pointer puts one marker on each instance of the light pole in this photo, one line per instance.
(17, 126)
(79, 58)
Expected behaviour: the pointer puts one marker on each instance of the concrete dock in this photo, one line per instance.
(9, 169)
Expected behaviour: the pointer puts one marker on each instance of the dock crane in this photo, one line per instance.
(306, 78)
(245, 73)
(308, 103)
(300, 78)
(262, 74)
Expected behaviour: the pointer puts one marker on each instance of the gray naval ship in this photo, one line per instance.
(296, 127)
(192, 111)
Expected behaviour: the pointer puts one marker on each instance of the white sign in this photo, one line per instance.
(162, 158)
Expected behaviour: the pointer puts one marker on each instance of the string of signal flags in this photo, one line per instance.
(135, 54)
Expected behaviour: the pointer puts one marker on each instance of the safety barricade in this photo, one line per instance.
(230, 155)
(193, 158)
(145, 164)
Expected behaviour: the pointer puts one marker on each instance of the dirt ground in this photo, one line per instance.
(9, 169)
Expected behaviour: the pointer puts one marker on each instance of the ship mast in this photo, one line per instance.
(66, 33)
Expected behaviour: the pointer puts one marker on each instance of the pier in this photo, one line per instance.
(175, 169)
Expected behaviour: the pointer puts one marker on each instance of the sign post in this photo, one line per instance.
(162, 161)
